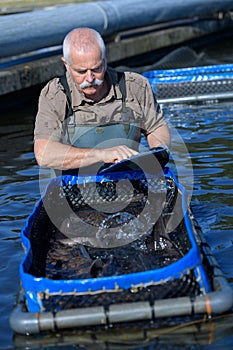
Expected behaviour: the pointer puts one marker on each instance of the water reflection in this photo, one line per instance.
(207, 132)
(194, 335)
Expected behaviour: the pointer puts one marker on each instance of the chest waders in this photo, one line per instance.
(99, 136)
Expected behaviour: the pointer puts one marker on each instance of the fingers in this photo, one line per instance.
(117, 153)
(123, 152)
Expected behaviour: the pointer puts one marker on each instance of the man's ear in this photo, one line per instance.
(63, 60)
(65, 64)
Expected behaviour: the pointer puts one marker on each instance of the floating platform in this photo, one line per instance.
(192, 84)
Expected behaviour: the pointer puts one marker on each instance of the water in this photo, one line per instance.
(207, 131)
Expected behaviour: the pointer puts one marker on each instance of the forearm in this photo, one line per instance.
(56, 155)
(160, 136)
(61, 156)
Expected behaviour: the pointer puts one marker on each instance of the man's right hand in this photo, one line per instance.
(116, 154)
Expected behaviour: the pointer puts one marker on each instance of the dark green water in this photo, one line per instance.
(207, 133)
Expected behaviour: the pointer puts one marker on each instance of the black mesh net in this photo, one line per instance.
(202, 88)
(186, 285)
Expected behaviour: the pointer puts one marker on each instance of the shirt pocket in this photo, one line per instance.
(84, 117)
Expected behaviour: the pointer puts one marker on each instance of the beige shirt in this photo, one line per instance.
(144, 110)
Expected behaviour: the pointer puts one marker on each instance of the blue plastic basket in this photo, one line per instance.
(34, 287)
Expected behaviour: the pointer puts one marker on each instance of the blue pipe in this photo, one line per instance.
(201, 70)
(190, 78)
(32, 56)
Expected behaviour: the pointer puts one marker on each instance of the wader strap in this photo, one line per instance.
(69, 109)
(122, 87)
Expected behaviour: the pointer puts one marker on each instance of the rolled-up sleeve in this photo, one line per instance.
(151, 113)
(51, 113)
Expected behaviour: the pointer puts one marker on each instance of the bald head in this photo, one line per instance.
(82, 40)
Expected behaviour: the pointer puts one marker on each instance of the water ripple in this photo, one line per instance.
(207, 133)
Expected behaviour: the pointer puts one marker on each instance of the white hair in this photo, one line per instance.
(80, 38)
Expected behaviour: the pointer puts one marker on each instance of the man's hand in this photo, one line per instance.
(116, 154)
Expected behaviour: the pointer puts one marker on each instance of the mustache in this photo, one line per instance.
(95, 82)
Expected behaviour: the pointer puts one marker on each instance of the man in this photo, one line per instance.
(95, 115)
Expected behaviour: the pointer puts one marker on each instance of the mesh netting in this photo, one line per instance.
(173, 90)
(204, 82)
(186, 285)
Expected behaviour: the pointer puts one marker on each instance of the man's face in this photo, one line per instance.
(87, 70)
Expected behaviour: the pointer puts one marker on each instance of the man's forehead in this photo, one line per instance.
(91, 58)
